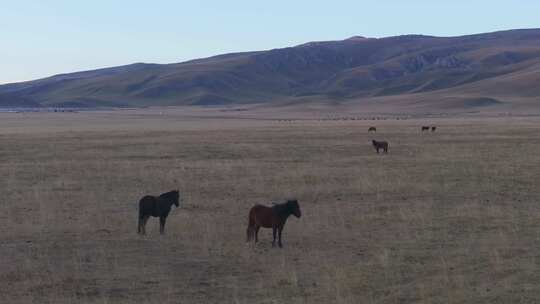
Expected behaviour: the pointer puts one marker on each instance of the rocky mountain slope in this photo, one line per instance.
(481, 70)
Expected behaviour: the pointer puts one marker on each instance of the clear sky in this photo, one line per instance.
(40, 38)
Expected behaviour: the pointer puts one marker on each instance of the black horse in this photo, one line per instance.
(157, 206)
(380, 145)
(433, 129)
(425, 128)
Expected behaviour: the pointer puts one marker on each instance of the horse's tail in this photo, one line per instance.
(248, 233)
(141, 215)
(140, 209)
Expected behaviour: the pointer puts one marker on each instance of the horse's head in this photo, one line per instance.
(374, 142)
(294, 207)
(176, 197)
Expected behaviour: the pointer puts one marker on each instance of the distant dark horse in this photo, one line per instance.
(433, 129)
(425, 128)
(372, 129)
(157, 206)
(380, 145)
(271, 217)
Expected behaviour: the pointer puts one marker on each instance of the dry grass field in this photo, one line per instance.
(445, 217)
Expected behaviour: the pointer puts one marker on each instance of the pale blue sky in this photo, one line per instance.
(44, 37)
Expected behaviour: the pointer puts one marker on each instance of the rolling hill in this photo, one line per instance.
(436, 73)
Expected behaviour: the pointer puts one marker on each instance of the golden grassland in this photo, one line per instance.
(445, 217)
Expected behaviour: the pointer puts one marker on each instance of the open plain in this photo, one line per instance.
(451, 216)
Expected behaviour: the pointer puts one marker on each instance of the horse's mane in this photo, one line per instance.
(169, 196)
(282, 208)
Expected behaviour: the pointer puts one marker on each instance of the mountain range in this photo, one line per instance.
(500, 69)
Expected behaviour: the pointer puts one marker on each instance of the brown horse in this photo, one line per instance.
(383, 145)
(271, 217)
(372, 129)
(157, 206)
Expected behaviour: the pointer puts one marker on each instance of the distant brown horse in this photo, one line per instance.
(380, 145)
(433, 129)
(271, 217)
(425, 128)
(372, 129)
(157, 206)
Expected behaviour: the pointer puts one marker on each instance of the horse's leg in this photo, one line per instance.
(279, 235)
(145, 219)
(139, 225)
(257, 233)
(162, 220)
(274, 236)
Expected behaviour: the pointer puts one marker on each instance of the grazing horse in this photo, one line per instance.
(433, 129)
(425, 128)
(372, 129)
(380, 145)
(271, 217)
(157, 206)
